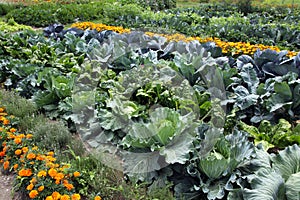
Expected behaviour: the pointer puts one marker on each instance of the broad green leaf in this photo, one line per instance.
(293, 187)
(268, 185)
(287, 162)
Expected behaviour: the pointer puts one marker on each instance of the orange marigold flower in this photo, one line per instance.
(76, 197)
(25, 172)
(6, 122)
(59, 176)
(76, 174)
(69, 186)
(16, 166)
(18, 152)
(31, 156)
(2, 153)
(12, 130)
(2, 109)
(50, 153)
(33, 180)
(97, 198)
(55, 195)
(42, 173)
(40, 157)
(18, 140)
(29, 136)
(41, 188)
(33, 194)
(6, 165)
(52, 172)
(30, 186)
(65, 197)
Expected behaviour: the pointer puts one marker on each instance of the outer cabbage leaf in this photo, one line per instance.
(269, 185)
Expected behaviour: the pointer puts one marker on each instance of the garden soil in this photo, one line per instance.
(6, 182)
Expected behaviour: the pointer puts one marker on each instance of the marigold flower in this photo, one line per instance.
(6, 165)
(52, 172)
(76, 174)
(65, 197)
(49, 198)
(30, 186)
(25, 149)
(6, 122)
(31, 156)
(12, 130)
(97, 198)
(55, 195)
(18, 152)
(18, 140)
(33, 180)
(76, 197)
(25, 172)
(29, 136)
(2, 153)
(41, 188)
(69, 186)
(34, 148)
(2, 109)
(16, 166)
(42, 173)
(50, 153)
(33, 194)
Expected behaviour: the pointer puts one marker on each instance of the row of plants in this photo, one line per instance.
(12, 26)
(39, 176)
(228, 48)
(272, 27)
(50, 163)
(168, 111)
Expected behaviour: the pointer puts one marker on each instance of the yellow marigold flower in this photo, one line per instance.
(65, 197)
(97, 198)
(41, 188)
(49, 198)
(2, 109)
(18, 152)
(30, 186)
(50, 153)
(56, 195)
(76, 174)
(6, 165)
(34, 148)
(33, 194)
(52, 172)
(76, 197)
(25, 149)
(31, 156)
(42, 173)
(25, 172)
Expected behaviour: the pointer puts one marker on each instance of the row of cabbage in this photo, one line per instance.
(168, 111)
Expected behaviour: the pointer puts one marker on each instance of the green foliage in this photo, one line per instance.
(279, 179)
(12, 26)
(279, 135)
(42, 15)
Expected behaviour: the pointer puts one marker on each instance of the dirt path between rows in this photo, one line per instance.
(6, 182)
